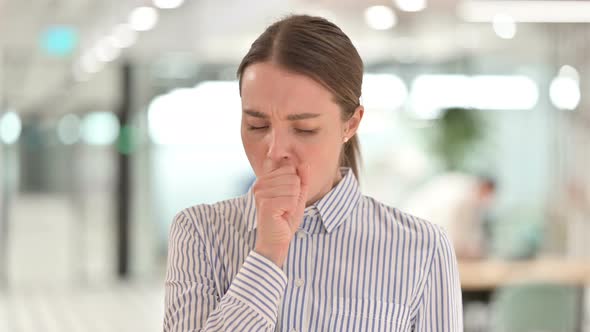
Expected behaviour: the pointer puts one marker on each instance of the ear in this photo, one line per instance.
(352, 124)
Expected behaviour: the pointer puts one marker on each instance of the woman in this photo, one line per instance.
(304, 250)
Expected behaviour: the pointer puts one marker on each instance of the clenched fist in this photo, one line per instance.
(280, 196)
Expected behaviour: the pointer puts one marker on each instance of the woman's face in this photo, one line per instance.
(289, 118)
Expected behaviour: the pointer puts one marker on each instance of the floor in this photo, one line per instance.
(59, 271)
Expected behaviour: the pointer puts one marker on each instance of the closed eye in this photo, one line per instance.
(257, 128)
(306, 132)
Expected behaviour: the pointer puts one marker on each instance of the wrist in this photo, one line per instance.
(274, 254)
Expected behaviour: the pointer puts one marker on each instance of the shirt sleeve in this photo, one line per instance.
(441, 308)
(193, 301)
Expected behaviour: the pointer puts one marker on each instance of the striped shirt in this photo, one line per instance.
(355, 264)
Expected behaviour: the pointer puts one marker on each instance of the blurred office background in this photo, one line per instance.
(114, 115)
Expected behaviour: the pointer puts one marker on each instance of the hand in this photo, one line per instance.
(280, 195)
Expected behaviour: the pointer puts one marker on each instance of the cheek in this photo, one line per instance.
(324, 159)
(323, 155)
(255, 151)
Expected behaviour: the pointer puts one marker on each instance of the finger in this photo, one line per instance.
(284, 206)
(290, 190)
(267, 167)
(284, 179)
(281, 205)
(283, 170)
(279, 176)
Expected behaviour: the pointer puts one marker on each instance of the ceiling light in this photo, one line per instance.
(105, 51)
(565, 93)
(168, 4)
(504, 26)
(10, 127)
(143, 18)
(380, 17)
(123, 36)
(411, 5)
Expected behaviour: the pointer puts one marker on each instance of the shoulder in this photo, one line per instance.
(413, 228)
(202, 217)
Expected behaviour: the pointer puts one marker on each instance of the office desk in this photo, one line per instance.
(479, 278)
(490, 274)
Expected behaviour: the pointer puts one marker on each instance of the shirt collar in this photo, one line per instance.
(334, 208)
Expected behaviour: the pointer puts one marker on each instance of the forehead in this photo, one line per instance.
(266, 87)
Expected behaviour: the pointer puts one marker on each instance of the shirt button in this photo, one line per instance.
(293, 330)
(299, 282)
(301, 234)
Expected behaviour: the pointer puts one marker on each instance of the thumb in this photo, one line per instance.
(303, 172)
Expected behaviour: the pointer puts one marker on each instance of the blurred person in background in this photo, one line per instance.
(304, 249)
(460, 203)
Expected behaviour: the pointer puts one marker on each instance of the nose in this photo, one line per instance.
(278, 148)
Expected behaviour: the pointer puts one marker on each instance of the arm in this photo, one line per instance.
(440, 308)
(193, 301)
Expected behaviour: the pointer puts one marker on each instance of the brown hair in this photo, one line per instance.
(317, 48)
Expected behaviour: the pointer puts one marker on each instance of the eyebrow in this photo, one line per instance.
(290, 117)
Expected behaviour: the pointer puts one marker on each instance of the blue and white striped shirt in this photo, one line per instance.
(355, 264)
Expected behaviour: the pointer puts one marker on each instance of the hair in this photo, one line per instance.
(488, 182)
(314, 47)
